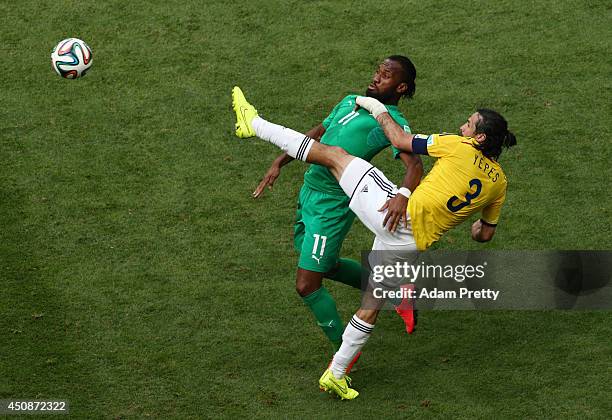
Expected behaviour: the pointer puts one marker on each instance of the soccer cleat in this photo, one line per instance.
(245, 112)
(339, 387)
(406, 310)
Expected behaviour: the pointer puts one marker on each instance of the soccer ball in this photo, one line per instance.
(71, 58)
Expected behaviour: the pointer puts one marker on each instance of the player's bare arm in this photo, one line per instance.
(274, 170)
(482, 232)
(271, 174)
(396, 206)
(316, 132)
(396, 134)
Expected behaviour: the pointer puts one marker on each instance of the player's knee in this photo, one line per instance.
(307, 282)
(304, 289)
(337, 159)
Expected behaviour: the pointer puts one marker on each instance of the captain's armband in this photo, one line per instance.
(419, 144)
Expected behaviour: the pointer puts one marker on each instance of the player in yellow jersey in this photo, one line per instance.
(465, 179)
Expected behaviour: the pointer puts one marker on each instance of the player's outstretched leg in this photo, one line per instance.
(245, 112)
(297, 145)
(249, 124)
(339, 387)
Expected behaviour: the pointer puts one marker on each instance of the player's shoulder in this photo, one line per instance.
(348, 100)
(502, 177)
(448, 139)
(455, 137)
(397, 115)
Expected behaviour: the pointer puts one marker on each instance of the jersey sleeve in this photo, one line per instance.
(327, 121)
(490, 214)
(436, 145)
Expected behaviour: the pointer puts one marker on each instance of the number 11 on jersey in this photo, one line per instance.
(316, 244)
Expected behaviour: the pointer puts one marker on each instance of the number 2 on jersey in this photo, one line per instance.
(469, 196)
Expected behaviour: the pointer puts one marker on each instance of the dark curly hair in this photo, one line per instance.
(409, 73)
(495, 127)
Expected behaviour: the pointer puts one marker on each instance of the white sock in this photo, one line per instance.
(297, 145)
(355, 336)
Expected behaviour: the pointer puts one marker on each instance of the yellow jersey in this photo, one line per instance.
(462, 182)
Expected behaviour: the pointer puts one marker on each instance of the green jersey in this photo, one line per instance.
(358, 133)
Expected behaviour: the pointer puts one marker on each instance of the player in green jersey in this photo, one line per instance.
(323, 217)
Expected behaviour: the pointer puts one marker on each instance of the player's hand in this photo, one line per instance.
(267, 181)
(372, 105)
(396, 211)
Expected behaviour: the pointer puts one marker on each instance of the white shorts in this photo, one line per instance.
(369, 189)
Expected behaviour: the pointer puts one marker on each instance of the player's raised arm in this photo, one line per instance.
(274, 170)
(396, 134)
(316, 132)
(271, 174)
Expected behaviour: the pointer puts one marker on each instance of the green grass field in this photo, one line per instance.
(140, 279)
